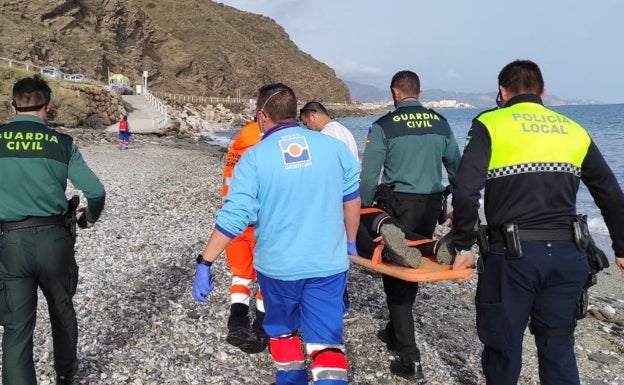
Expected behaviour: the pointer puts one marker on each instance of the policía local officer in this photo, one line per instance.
(36, 245)
(530, 160)
(409, 146)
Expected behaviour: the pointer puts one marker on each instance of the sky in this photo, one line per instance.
(461, 45)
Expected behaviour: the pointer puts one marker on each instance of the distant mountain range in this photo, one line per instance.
(365, 93)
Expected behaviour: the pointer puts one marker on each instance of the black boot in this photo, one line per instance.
(243, 336)
(397, 250)
(407, 370)
(445, 250)
(257, 324)
(262, 337)
(239, 317)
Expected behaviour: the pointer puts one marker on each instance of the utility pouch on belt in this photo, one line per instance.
(511, 239)
(384, 197)
(581, 232)
(583, 299)
(482, 240)
(584, 241)
(445, 194)
(70, 216)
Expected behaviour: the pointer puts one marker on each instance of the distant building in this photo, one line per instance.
(446, 104)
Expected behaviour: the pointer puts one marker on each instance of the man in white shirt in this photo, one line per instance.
(314, 116)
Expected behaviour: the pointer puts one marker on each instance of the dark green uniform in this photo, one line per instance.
(408, 147)
(35, 164)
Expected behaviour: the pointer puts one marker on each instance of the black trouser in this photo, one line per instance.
(542, 286)
(30, 258)
(418, 214)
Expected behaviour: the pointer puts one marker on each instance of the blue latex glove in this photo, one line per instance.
(202, 284)
(351, 249)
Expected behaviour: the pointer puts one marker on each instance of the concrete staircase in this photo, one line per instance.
(148, 115)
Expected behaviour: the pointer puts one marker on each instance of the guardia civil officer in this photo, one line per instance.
(530, 160)
(36, 240)
(408, 146)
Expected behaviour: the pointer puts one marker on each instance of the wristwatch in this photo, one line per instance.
(202, 261)
(464, 252)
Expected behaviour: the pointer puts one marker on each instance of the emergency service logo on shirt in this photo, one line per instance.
(295, 152)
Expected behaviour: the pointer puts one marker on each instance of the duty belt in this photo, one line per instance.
(60, 220)
(496, 236)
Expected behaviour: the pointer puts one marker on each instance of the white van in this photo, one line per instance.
(52, 72)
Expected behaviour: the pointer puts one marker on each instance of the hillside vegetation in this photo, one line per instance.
(74, 104)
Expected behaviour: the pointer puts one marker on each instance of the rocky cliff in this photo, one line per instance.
(187, 46)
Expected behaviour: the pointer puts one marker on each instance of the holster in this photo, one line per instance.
(70, 216)
(511, 240)
(583, 298)
(384, 197)
(596, 258)
(445, 194)
(482, 240)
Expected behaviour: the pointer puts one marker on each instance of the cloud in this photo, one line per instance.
(350, 68)
(452, 74)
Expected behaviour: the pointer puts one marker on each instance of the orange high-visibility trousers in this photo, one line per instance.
(239, 256)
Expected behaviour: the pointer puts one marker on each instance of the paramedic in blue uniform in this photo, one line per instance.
(281, 185)
(530, 160)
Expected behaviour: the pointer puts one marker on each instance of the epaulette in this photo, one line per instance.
(437, 113)
(383, 116)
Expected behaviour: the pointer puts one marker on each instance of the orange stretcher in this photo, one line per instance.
(429, 270)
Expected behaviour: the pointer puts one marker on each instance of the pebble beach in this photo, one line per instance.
(138, 323)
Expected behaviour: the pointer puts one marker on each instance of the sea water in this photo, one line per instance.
(605, 124)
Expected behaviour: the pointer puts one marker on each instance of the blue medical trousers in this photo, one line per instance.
(543, 286)
(313, 305)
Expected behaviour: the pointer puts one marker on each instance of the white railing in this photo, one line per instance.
(204, 99)
(27, 66)
(161, 121)
(214, 99)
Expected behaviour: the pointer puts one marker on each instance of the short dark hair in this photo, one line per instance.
(406, 81)
(521, 77)
(312, 107)
(278, 102)
(31, 92)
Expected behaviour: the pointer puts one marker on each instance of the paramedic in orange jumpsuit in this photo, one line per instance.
(239, 256)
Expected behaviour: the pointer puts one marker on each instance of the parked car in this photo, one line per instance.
(52, 72)
(76, 77)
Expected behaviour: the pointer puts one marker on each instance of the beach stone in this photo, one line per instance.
(597, 314)
(594, 382)
(603, 358)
